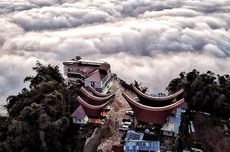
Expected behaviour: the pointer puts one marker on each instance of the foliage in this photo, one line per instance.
(76, 58)
(39, 118)
(205, 92)
(139, 87)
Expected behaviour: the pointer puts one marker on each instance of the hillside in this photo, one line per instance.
(39, 117)
(207, 92)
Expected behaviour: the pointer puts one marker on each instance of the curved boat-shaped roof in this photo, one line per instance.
(91, 110)
(94, 100)
(173, 105)
(148, 97)
(95, 92)
(155, 115)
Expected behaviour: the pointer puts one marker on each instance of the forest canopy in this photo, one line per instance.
(207, 92)
(39, 117)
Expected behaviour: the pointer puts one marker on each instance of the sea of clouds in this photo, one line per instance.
(144, 40)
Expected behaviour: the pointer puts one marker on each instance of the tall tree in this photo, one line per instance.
(38, 118)
(204, 91)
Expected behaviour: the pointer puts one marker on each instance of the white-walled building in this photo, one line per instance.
(79, 116)
(94, 73)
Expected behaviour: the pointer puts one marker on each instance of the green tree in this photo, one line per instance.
(206, 92)
(39, 118)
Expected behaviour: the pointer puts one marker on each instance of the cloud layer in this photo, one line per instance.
(155, 39)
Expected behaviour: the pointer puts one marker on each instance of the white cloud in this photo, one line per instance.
(14, 69)
(213, 49)
(8, 30)
(155, 39)
(156, 72)
(136, 36)
(58, 17)
(9, 6)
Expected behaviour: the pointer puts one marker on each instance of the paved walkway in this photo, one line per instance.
(117, 113)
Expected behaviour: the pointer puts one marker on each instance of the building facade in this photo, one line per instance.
(152, 112)
(79, 116)
(89, 73)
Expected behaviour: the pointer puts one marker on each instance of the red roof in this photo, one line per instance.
(92, 99)
(169, 97)
(92, 72)
(79, 113)
(96, 76)
(96, 93)
(85, 69)
(104, 66)
(155, 115)
(91, 110)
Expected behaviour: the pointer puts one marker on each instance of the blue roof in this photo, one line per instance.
(132, 135)
(176, 119)
(135, 146)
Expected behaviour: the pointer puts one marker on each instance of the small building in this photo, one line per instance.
(92, 111)
(92, 108)
(136, 146)
(90, 73)
(153, 114)
(171, 128)
(155, 110)
(133, 135)
(134, 143)
(168, 129)
(79, 116)
(93, 105)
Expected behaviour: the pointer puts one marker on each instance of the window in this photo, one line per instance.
(92, 83)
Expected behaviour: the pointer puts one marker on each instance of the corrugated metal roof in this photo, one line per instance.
(173, 121)
(134, 146)
(132, 135)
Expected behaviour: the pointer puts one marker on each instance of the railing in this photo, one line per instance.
(106, 78)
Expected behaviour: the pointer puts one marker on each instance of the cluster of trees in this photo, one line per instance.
(139, 87)
(205, 92)
(39, 117)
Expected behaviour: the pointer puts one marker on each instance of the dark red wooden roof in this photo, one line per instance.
(157, 101)
(155, 115)
(92, 99)
(91, 110)
(169, 97)
(96, 93)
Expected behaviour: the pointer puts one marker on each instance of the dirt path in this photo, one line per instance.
(117, 113)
